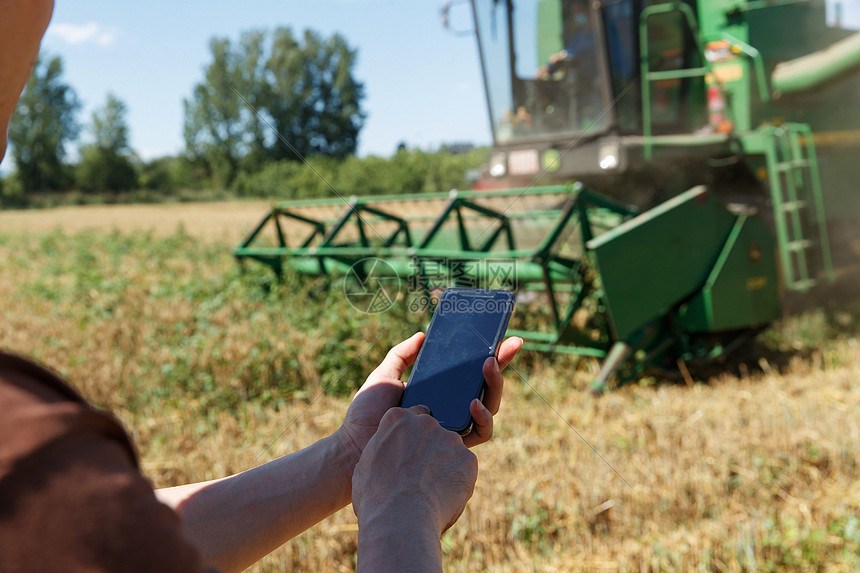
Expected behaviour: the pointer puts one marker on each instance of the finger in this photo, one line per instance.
(492, 373)
(391, 416)
(419, 409)
(399, 358)
(508, 349)
(495, 385)
(482, 431)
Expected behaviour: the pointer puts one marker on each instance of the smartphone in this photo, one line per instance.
(467, 327)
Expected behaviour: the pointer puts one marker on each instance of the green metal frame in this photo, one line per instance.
(413, 254)
(649, 140)
(754, 55)
(647, 76)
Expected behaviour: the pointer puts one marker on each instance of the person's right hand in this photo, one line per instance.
(413, 473)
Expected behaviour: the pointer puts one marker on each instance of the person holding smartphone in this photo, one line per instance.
(72, 497)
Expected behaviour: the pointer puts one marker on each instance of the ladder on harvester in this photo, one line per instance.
(798, 208)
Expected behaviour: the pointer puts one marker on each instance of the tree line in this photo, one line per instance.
(268, 104)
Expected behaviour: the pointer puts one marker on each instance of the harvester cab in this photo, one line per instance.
(642, 99)
(549, 83)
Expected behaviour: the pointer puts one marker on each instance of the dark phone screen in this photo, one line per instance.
(465, 330)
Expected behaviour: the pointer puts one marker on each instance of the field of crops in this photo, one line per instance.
(753, 468)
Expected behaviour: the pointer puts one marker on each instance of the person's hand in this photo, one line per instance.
(546, 70)
(413, 472)
(558, 57)
(383, 388)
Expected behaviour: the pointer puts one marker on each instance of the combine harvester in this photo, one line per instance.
(700, 136)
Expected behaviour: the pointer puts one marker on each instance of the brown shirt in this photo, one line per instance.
(71, 494)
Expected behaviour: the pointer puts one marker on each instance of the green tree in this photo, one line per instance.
(169, 174)
(312, 97)
(109, 126)
(216, 119)
(267, 87)
(106, 164)
(43, 123)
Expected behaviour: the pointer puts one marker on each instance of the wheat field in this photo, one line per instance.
(753, 468)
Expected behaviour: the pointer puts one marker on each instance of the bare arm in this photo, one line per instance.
(22, 23)
(398, 538)
(236, 520)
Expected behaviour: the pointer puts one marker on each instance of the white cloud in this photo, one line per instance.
(89, 33)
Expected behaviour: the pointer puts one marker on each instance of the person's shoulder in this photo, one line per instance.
(34, 378)
(69, 468)
(39, 409)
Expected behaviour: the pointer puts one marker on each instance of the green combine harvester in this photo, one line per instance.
(714, 148)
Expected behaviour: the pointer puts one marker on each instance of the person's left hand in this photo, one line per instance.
(383, 388)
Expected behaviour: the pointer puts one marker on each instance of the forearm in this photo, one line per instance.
(237, 520)
(399, 539)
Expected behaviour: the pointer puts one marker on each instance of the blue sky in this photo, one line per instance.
(422, 82)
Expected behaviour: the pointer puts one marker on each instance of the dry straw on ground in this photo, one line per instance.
(223, 222)
(757, 473)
